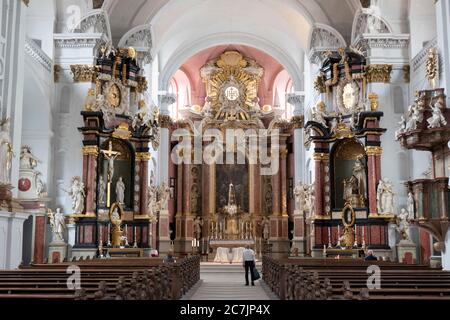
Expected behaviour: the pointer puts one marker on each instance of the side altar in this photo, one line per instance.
(110, 199)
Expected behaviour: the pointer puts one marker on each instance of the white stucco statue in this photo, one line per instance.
(411, 210)
(359, 172)
(319, 113)
(385, 197)
(152, 203)
(402, 222)
(265, 226)
(40, 186)
(120, 191)
(402, 128)
(77, 194)
(58, 224)
(207, 109)
(27, 159)
(6, 153)
(309, 200)
(437, 119)
(299, 193)
(164, 194)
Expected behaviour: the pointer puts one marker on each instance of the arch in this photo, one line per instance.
(189, 49)
(96, 21)
(358, 28)
(332, 36)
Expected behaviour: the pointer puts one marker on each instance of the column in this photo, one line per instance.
(319, 184)
(143, 158)
(165, 101)
(12, 42)
(443, 40)
(298, 101)
(374, 176)
(90, 154)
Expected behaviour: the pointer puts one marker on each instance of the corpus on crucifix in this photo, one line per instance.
(110, 155)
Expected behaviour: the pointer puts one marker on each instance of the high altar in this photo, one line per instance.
(111, 197)
(229, 202)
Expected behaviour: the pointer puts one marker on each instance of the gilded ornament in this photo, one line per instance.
(143, 156)
(321, 156)
(319, 84)
(373, 98)
(142, 84)
(165, 121)
(56, 70)
(122, 132)
(298, 122)
(374, 151)
(432, 65)
(407, 73)
(90, 151)
(83, 73)
(379, 73)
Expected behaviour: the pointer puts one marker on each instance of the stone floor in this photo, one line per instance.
(227, 282)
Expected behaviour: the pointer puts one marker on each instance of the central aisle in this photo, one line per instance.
(227, 282)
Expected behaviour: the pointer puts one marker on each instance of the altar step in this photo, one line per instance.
(227, 282)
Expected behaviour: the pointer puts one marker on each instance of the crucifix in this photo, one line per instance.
(110, 155)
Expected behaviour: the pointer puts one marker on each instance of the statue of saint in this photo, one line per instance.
(77, 193)
(402, 128)
(385, 197)
(164, 195)
(40, 186)
(319, 113)
(57, 223)
(437, 119)
(6, 153)
(198, 224)
(120, 191)
(265, 224)
(27, 159)
(115, 216)
(299, 193)
(402, 222)
(411, 210)
(359, 172)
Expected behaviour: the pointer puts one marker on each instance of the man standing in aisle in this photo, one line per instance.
(249, 263)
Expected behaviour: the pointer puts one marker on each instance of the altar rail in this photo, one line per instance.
(104, 279)
(319, 279)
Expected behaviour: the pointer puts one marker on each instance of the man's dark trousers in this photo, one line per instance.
(249, 265)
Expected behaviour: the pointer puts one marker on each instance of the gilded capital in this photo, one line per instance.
(90, 151)
(319, 84)
(298, 122)
(321, 156)
(143, 156)
(83, 73)
(374, 151)
(165, 121)
(379, 73)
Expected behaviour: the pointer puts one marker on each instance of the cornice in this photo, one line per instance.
(36, 53)
(82, 40)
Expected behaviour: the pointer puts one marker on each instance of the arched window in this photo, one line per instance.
(180, 85)
(282, 86)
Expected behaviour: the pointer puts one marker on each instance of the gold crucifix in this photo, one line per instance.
(110, 155)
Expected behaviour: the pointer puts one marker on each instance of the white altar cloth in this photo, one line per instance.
(223, 255)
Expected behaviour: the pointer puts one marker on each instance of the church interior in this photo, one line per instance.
(146, 145)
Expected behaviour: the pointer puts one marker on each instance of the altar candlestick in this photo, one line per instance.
(109, 234)
(356, 236)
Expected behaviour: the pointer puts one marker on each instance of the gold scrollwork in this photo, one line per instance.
(122, 132)
(143, 156)
(407, 73)
(374, 151)
(373, 98)
(90, 151)
(298, 122)
(379, 73)
(319, 84)
(321, 157)
(165, 121)
(142, 84)
(84, 73)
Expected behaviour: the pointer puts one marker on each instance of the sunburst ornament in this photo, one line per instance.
(232, 78)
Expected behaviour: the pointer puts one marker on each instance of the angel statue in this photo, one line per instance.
(437, 119)
(319, 113)
(299, 193)
(6, 153)
(58, 224)
(143, 116)
(402, 221)
(77, 193)
(402, 128)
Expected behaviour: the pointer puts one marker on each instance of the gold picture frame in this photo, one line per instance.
(348, 216)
